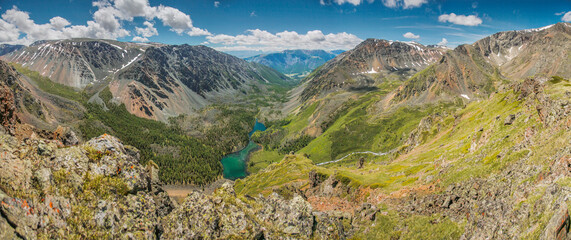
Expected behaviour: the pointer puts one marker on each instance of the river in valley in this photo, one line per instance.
(234, 164)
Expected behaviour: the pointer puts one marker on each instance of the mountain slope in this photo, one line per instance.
(8, 48)
(154, 81)
(544, 51)
(172, 80)
(368, 63)
(77, 62)
(295, 63)
(474, 70)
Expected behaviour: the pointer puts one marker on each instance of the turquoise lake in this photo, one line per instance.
(234, 164)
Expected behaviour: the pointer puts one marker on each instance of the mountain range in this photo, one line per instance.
(389, 140)
(154, 81)
(295, 63)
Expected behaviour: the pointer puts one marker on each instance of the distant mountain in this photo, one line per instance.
(370, 61)
(77, 62)
(474, 70)
(8, 48)
(154, 80)
(295, 63)
(170, 80)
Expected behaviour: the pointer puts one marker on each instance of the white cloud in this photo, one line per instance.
(8, 32)
(174, 18)
(140, 39)
(559, 13)
(566, 17)
(135, 8)
(149, 31)
(470, 20)
(411, 35)
(413, 3)
(443, 42)
(198, 32)
(265, 41)
(354, 2)
(106, 18)
(253, 14)
(405, 4)
(59, 23)
(17, 27)
(216, 4)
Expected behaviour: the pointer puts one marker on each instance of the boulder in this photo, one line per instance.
(509, 119)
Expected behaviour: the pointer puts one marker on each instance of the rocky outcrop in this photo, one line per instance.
(549, 110)
(99, 189)
(8, 117)
(224, 215)
(66, 136)
(94, 190)
(500, 206)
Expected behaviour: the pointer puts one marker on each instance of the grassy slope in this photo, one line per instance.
(458, 152)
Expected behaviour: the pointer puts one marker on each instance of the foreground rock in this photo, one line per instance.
(94, 190)
(224, 215)
(100, 190)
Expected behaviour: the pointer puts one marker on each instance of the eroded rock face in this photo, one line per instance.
(8, 117)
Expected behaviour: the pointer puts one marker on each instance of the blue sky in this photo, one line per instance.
(244, 27)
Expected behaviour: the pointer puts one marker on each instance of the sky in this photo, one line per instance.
(248, 27)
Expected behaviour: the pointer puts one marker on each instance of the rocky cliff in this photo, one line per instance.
(26, 109)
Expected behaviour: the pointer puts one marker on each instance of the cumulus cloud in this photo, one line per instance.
(216, 4)
(149, 31)
(194, 31)
(17, 27)
(411, 35)
(257, 39)
(8, 32)
(59, 23)
(405, 4)
(566, 17)
(443, 42)
(135, 8)
(470, 20)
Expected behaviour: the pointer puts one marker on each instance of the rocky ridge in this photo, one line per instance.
(473, 71)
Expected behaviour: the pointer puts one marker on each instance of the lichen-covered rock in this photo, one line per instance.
(224, 215)
(94, 190)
